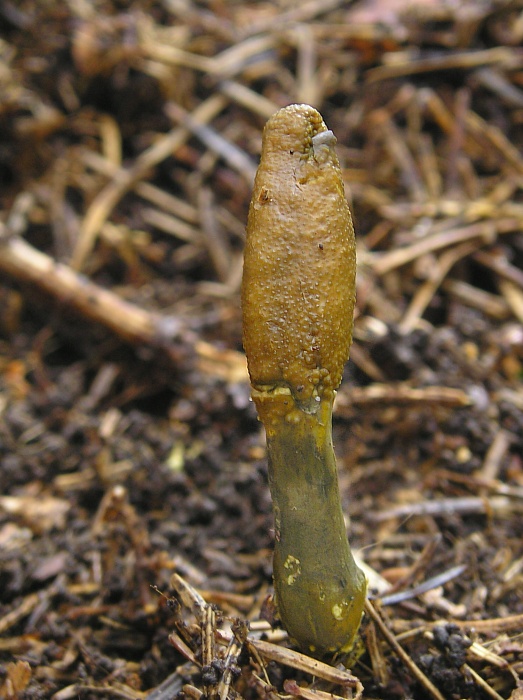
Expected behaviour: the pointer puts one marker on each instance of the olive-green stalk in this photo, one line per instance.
(298, 296)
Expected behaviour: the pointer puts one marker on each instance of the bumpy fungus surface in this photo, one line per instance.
(300, 262)
(298, 297)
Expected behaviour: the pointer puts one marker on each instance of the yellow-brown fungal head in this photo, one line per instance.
(299, 269)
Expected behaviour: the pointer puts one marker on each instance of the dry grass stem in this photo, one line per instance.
(107, 199)
(402, 654)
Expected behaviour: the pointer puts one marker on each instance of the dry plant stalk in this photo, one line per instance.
(298, 298)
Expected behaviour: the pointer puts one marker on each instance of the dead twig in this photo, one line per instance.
(244, 96)
(398, 649)
(479, 681)
(467, 505)
(427, 585)
(486, 230)
(302, 662)
(23, 262)
(491, 304)
(103, 204)
(231, 153)
(298, 691)
(426, 291)
(410, 64)
(496, 625)
(401, 394)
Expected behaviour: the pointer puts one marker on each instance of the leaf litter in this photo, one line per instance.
(135, 521)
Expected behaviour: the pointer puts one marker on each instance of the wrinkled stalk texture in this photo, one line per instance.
(319, 589)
